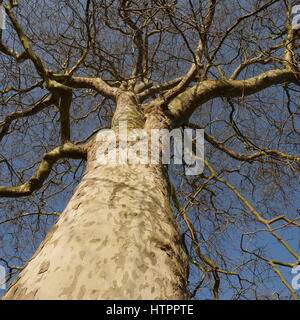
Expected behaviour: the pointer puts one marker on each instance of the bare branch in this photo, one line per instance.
(183, 106)
(96, 84)
(68, 150)
(37, 107)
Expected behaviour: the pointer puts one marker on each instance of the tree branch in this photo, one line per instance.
(96, 84)
(64, 109)
(25, 42)
(68, 150)
(242, 157)
(37, 107)
(184, 104)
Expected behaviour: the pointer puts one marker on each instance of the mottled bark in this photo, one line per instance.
(116, 239)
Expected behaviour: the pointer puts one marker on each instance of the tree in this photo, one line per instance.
(148, 231)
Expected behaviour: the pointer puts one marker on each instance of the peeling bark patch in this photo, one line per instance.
(82, 254)
(95, 240)
(76, 206)
(30, 296)
(167, 249)
(117, 188)
(44, 267)
(81, 292)
(68, 291)
(88, 224)
(94, 294)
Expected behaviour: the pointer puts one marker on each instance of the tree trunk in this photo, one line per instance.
(116, 239)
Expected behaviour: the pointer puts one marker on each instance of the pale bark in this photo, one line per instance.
(117, 237)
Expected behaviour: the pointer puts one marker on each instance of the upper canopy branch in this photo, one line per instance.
(20, 57)
(37, 107)
(67, 79)
(96, 84)
(25, 42)
(185, 103)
